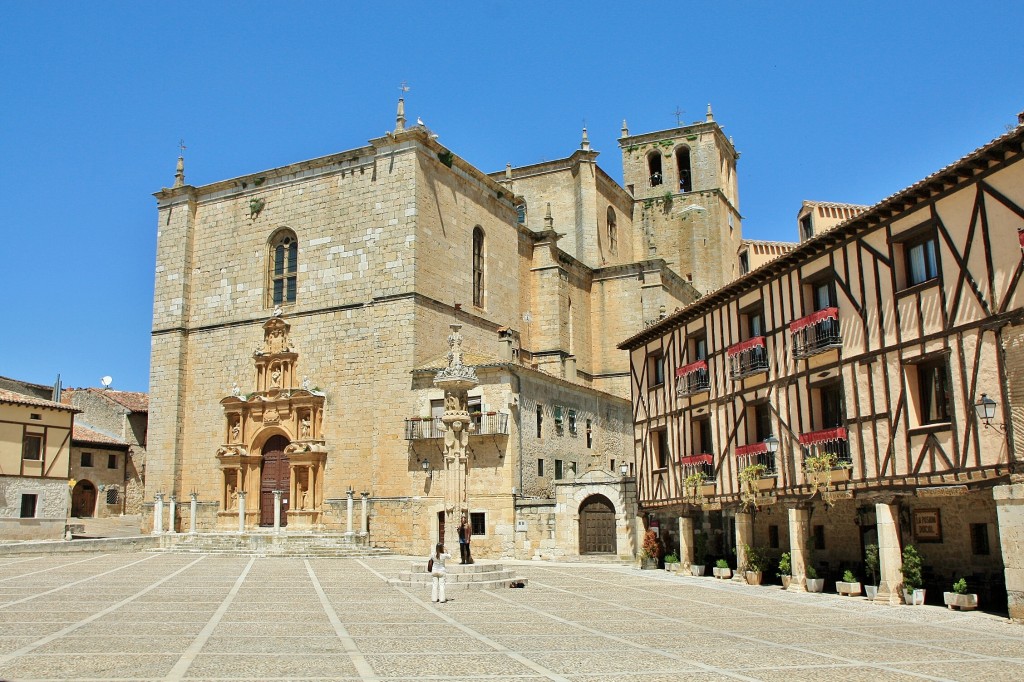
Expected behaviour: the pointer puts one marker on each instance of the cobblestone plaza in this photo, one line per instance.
(151, 616)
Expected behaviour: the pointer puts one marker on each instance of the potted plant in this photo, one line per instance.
(959, 597)
(849, 586)
(693, 487)
(700, 551)
(722, 570)
(785, 570)
(814, 583)
(913, 592)
(753, 566)
(650, 552)
(871, 568)
(672, 563)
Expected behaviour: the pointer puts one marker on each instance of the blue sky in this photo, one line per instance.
(845, 102)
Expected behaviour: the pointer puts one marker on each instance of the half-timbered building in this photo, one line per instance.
(830, 399)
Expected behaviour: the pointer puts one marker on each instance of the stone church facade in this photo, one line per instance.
(301, 313)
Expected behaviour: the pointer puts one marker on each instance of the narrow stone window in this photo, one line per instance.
(558, 470)
(540, 467)
(478, 267)
(479, 522)
(112, 495)
(86, 459)
(283, 268)
(540, 419)
(613, 231)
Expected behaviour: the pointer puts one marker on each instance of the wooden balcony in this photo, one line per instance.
(816, 333)
(495, 424)
(747, 358)
(692, 378)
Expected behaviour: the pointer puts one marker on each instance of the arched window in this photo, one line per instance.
(478, 267)
(613, 234)
(282, 266)
(521, 213)
(683, 165)
(654, 168)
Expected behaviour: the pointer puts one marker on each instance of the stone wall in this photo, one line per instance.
(51, 508)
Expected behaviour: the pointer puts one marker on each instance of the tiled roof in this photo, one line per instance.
(86, 435)
(133, 401)
(836, 204)
(21, 399)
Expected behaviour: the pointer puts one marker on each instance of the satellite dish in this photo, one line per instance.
(106, 381)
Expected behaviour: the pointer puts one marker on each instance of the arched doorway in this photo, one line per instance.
(597, 526)
(83, 500)
(274, 475)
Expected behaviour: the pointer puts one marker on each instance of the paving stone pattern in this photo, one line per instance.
(130, 616)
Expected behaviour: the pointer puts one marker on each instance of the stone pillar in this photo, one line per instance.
(890, 556)
(173, 516)
(364, 521)
(798, 549)
(685, 542)
(192, 509)
(158, 514)
(744, 536)
(348, 504)
(1010, 521)
(277, 510)
(241, 511)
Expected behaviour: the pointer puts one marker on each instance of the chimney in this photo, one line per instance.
(569, 365)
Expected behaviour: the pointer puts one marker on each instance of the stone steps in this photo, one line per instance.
(461, 577)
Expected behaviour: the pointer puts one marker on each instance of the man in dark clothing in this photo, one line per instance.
(465, 533)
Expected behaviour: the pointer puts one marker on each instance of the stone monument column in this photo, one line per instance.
(348, 507)
(744, 537)
(363, 523)
(277, 510)
(456, 379)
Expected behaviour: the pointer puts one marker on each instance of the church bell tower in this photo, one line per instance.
(686, 201)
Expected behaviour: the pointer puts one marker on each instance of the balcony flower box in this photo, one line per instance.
(722, 573)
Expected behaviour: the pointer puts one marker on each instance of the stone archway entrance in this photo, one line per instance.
(83, 500)
(274, 475)
(597, 526)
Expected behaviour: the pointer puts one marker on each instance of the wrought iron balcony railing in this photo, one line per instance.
(747, 358)
(703, 463)
(829, 446)
(495, 424)
(692, 378)
(816, 333)
(757, 454)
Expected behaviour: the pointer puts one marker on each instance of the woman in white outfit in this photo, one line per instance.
(438, 573)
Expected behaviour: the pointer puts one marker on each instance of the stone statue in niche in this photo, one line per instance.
(451, 402)
(275, 377)
(304, 426)
(276, 337)
(232, 497)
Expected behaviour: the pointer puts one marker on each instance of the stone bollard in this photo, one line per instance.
(158, 514)
(241, 511)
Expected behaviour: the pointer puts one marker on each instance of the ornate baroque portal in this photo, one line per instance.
(273, 441)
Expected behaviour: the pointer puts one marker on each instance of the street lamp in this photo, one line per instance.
(425, 465)
(623, 469)
(771, 444)
(986, 409)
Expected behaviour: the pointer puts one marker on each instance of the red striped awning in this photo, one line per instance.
(823, 436)
(745, 345)
(814, 318)
(691, 368)
(752, 449)
(696, 459)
